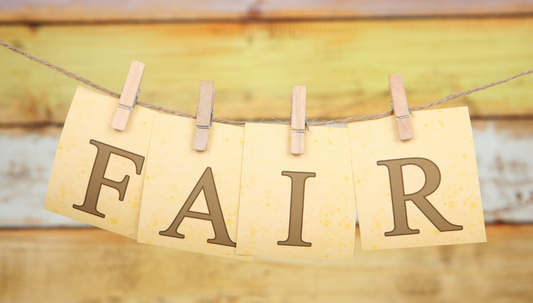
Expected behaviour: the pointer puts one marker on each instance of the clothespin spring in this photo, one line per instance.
(400, 117)
(134, 104)
(210, 122)
(306, 125)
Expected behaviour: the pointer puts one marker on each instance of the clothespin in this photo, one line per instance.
(299, 124)
(400, 107)
(129, 96)
(204, 114)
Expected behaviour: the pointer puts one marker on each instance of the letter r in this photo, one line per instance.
(399, 198)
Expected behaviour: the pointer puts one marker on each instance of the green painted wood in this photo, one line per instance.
(344, 65)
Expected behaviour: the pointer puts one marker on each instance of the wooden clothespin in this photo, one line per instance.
(400, 107)
(299, 124)
(129, 96)
(204, 114)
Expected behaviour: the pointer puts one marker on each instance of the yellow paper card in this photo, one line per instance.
(420, 192)
(296, 206)
(98, 172)
(191, 198)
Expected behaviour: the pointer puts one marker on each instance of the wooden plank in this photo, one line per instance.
(91, 265)
(145, 10)
(503, 150)
(255, 64)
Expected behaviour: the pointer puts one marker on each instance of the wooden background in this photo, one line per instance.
(255, 51)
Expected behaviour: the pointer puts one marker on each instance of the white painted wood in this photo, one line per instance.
(504, 152)
(26, 159)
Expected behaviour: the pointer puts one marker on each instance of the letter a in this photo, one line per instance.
(297, 208)
(207, 184)
(432, 173)
(97, 178)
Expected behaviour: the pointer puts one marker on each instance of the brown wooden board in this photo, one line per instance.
(345, 65)
(160, 10)
(91, 265)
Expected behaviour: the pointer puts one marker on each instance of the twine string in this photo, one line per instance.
(242, 122)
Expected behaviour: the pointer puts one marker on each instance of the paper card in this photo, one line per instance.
(190, 196)
(276, 185)
(431, 178)
(98, 172)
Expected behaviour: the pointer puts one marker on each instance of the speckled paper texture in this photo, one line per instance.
(441, 136)
(174, 169)
(89, 118)
(329, 203)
